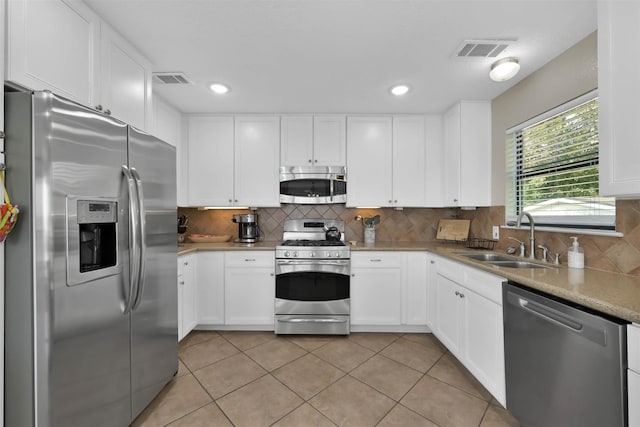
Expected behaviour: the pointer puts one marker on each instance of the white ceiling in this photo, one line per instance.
(326, 56)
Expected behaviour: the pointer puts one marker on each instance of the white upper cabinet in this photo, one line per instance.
(168, 127)
(409, 174)
(467, 154)
(64, 47)
(233, 161)
(386, 158)
(54, 45)
(257, 155)
(618, 88)
(369, 165)
(209, 166)
(126, 81)
(313, 140)
(434, 173)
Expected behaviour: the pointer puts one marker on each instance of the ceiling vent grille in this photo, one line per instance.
(482, 48)
(177, 78)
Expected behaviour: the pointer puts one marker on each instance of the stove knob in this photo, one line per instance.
(337, 254)
(312, 254)
(295, 254)
(287, 254)
(328, 254)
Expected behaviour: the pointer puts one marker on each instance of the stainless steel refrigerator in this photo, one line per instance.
(90, 305)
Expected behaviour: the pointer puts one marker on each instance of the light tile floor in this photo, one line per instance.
(366, 379)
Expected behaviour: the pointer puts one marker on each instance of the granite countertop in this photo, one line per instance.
(610, 293)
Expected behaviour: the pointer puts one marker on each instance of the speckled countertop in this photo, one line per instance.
(614, 294)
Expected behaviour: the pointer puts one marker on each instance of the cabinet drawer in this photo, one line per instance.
(250, 259)
(633, 346)
(450, 269)
(375, 260)
(486, 284)
(634, 396)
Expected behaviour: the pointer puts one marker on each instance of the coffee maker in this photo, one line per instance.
(248, 230)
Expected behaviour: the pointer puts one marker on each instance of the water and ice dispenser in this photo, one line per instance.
(92, 239)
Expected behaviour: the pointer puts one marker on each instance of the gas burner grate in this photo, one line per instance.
(313, 243)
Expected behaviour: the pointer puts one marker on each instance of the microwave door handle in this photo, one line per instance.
(133, 237)
(331, 190)
(142, 246)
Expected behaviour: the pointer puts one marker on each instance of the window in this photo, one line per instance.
(552, 169)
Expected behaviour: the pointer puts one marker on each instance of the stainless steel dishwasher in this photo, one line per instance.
(565, 365)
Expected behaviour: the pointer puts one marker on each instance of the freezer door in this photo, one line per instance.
(154, 318)
(67, 346)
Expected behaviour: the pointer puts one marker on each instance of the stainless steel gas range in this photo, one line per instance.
(313, 269)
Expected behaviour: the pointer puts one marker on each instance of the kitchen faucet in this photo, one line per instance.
(532, 231)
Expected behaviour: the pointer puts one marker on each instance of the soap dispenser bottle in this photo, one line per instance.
(575, 255)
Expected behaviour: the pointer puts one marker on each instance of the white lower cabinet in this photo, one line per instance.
(186, 295)
(388, 291)
(633, 348)
(376, 288)
(468, 321)
(249, 282)
(210, 288)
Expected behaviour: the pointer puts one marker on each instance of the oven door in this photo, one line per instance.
(312, 286)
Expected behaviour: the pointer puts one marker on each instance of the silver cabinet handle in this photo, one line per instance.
(457, 293)
(353, 274)
(315, 161)
(310, 161)
(433, 262)
(186, 263)
(249, 260)
(375, 260)
(230, 201)
(273, 274)
(107, 112)
(182, 282)
(461, 295)
(99, 107)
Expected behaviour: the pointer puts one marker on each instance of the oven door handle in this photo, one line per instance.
(317, 320)
(312, 262)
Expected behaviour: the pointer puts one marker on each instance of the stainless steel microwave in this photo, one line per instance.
(313, 185)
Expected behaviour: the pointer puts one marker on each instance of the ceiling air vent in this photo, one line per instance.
(171, 78)
(482, 48)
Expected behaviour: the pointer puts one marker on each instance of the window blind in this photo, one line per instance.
(552, 169)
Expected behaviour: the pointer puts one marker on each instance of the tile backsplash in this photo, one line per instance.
(617, 254)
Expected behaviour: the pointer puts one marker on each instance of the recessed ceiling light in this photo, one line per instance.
(219, 88)
(399, 90)
(504, 69)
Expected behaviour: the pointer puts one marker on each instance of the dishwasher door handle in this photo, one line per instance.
(545, 313)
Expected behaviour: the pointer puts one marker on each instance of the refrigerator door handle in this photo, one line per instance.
(134, 270)
(142, 246)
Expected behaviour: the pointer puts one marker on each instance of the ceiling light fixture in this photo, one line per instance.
(399, 90)
(218, 88)
(504, 69)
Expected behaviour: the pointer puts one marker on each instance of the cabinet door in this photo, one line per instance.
(434, 170)
(618, 86)
(376, 289)
(409, 161)
(209, 167)
(210, 288)
(369, 154)
(432, 280)
(447, 314)
(250, 288)
(126, 81)
(59, 33)
(483, 342)
(329, 141)
(187, 310)
(168, 127)
(451, 166)
(475, 153)
(257, 161)
(634, 398)
(415, 266)
(296, 141)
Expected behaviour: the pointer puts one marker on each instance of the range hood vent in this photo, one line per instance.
(175, 78)
(482, 48)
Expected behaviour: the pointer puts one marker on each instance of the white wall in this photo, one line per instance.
(568, 76)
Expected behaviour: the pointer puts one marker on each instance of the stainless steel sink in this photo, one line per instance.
(516, 264)
(488, 257)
